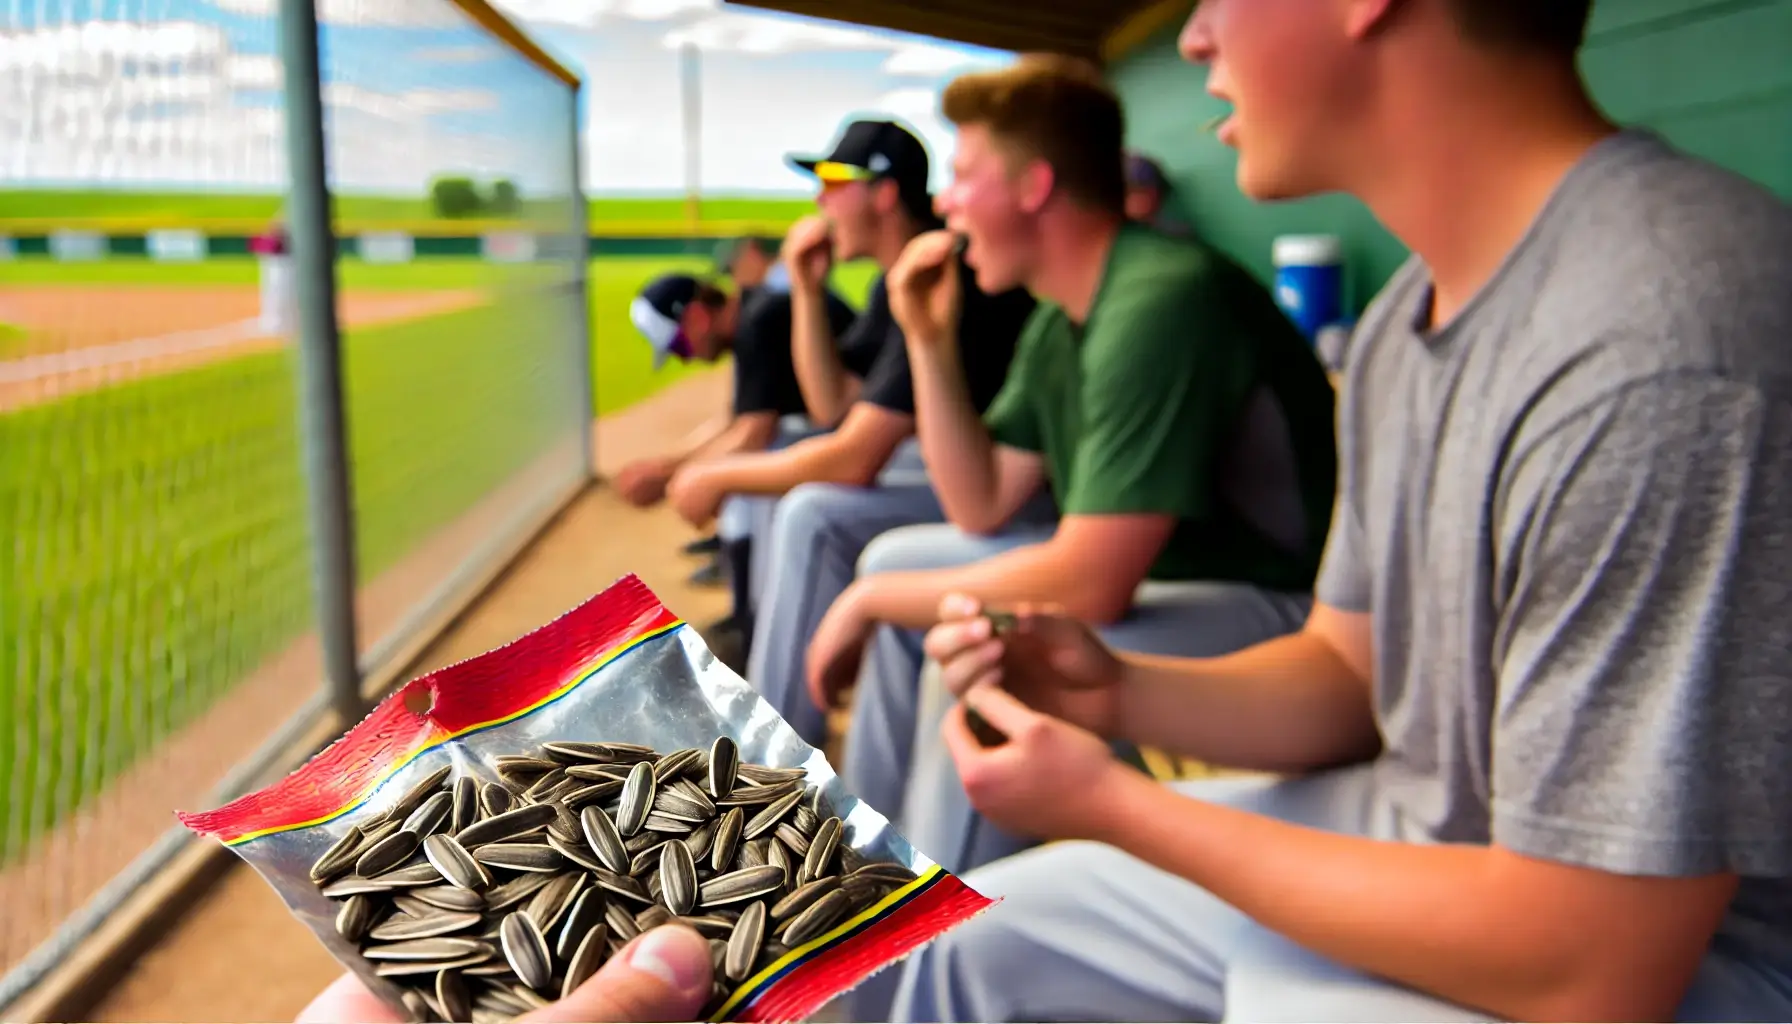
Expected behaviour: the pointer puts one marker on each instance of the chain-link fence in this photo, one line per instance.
(161, 442)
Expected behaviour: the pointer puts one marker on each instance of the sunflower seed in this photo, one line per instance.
(414, 797)
(791, 839)
(675, 764)
(700, 840)
(494, 800)
(804, 897)
(451, 997)
(405, 903)
(526, 950)
(416, 873)
(518, 768)
(743, 945)
(503, 998)
(498, 969)
(805, 821)
(605, 838)
(817, 804)
(646, 860)
(780, 857)
(339, 857)
(520, 857)
(727, 838)
(667, 826)
(759, 796)
(387, 854)
(442, 922)
(586, 958)
(821, 851)
(354, 917)
(651, 918)
(712, 925)
(895, 874)
(637, 797)
(740, 885)
(595, 793)
(400, 968)
(546, 906)
(446, 897)
(515, 891)
(576, 851)
(768, 818)
(821, 915)
(641, 841)
(508, 825)
(718, 959)
(678, 878)
(673, 802)
(458, 866)
(621, 923)
(354, 886)
(598, 772)
(414, 1002)
(724, 766)
(762, 775)
(578, 753)
(622, 885)
(528, 997)
(633, 751)
(585, 913)
(751, 855)
(438, 948)
(431, 816)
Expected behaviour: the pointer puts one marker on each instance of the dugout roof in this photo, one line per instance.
(1098, 29)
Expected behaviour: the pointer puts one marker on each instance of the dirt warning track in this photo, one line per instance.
(84, 337)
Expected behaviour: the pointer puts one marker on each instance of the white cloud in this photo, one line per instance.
(929, 60)
(754, 33)
(592, 13)
(385, 13)
(158, 103)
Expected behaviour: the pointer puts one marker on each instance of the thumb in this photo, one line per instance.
(1000, 708)
(664, 975)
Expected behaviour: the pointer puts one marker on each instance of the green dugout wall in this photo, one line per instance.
(1713, 76)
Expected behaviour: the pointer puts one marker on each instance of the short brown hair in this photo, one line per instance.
(1543, 26)
(1052, 108)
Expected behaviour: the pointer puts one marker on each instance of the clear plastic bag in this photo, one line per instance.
(620, 669)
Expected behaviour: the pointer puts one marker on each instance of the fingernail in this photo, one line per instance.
(677, 956)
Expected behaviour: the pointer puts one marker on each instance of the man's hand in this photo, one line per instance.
(664, 975)
(1047, 660)
(643, 481)
(926, 294)
(1048, 779)
(808, 251)
(838, 648)
(695, 496)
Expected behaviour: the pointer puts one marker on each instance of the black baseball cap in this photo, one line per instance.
(658, 313)
(871, 151)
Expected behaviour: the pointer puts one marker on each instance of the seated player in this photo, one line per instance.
(874, 198)
(1176, 415)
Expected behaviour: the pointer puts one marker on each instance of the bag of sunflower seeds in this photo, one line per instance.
(492, 832)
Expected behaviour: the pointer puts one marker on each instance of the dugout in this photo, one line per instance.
(1712, 76)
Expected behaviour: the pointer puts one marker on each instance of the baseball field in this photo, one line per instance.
(152, 489)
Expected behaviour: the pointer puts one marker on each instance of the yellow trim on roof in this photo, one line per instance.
(498, 25)
(1141, 25)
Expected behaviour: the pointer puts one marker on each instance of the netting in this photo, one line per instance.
(155, 564)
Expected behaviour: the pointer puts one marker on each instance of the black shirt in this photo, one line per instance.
(764, 372)
(988, 329)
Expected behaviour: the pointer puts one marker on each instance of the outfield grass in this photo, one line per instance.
(224, 212)
(157, 550)
(12, 340)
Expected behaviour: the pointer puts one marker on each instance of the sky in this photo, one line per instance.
(188, 93)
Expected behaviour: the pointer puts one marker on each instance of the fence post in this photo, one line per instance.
(322, 421)
(581, 285)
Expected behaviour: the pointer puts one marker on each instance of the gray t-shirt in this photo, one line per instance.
(1570, 513)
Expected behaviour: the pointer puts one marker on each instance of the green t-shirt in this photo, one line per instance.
(1187, 393)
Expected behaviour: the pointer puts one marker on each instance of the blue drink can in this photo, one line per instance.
(1310, 280)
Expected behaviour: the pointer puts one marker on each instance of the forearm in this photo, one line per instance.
(749, 433)
(818, 460)
(1441, 919)
(828, 389)
(960, 456)
(1286, 705)
(1037, 574)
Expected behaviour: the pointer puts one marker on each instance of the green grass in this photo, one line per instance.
(156, 545)
(650, 216)
(12, 341)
